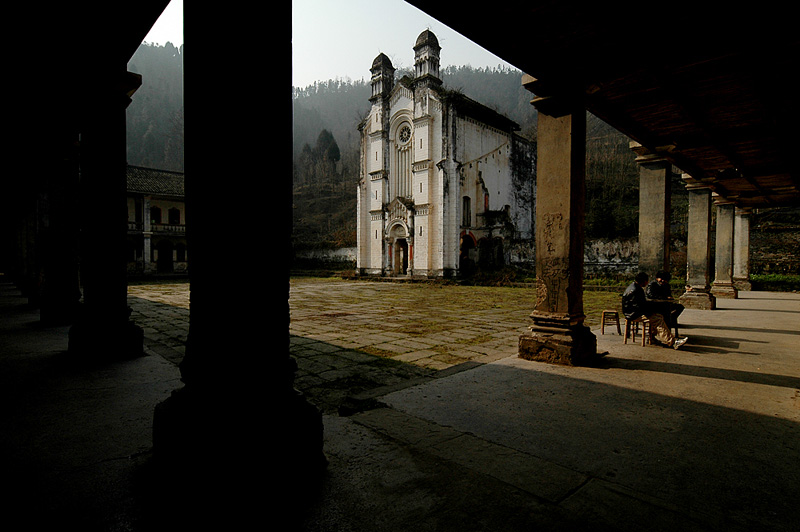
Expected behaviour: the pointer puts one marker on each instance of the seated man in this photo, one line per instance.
(635, 305)
(661, 291)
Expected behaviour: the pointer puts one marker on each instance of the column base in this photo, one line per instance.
(95, 341)
(208, 442)
(698, 299)
(58, 314)
(104, 339)
(742, 284)
(724, 290)
(574, 346)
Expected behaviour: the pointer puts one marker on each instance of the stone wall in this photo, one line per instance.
(331, 255)
(775, 250)
(611, 257)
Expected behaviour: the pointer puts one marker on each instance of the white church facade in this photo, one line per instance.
(447, 185)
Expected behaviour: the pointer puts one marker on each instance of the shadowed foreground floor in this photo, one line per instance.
(438, 425)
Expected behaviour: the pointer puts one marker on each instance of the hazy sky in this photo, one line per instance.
(340, 39)
(169, 27)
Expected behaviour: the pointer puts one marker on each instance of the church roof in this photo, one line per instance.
(151, 181)
(427, 37)
(478, 111)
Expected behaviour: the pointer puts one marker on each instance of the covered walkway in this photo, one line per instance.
(71, 438)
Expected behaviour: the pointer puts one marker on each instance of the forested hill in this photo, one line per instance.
(155, 115)
(325, 150)
(339, 106)
(326, 142)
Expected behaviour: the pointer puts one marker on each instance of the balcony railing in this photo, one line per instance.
(138, 227)
(168, 228)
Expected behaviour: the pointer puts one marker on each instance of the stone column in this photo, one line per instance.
(723, 259)
(58, 237)
(238, 373)
(558, 333)
(103, 329)
(654, 210)
(387, 252)
(147, 237)
(410, 241)
(698, 248)
(741, 249)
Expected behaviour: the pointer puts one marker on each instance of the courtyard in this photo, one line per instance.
(431, 420)
(438, 416)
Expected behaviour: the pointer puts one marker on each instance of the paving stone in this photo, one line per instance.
(415, 355)
(395, 347)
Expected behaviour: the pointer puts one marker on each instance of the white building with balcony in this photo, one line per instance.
(156, 222)
(446, 184)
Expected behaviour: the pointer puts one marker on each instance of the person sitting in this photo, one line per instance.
(635, 305)
(662, 293)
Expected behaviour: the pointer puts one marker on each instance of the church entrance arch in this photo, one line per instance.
(398, 249)
(400, 257)
(466, 260)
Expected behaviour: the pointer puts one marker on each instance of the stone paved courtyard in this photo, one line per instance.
(349, 337)
(430, 326)
(423, 400)
(162, 310)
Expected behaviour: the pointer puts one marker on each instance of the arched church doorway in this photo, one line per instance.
(466, 258)
(400, 257)
(398, 249)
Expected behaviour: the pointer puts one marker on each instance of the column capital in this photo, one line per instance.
(645, 155)
(692, 183)
(553, 101)
(721, 201)
(110, 88)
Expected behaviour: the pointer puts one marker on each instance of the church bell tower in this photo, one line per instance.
(382, 79)
(426, 60)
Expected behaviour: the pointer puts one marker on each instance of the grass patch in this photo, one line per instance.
(516, 301)
(775, 282)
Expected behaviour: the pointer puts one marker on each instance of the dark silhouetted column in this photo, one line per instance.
(103, 329)
(238, 414)
(60, 295)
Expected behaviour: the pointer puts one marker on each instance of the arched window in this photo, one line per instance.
(400, 170)
(466, 212)
(174, 215)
